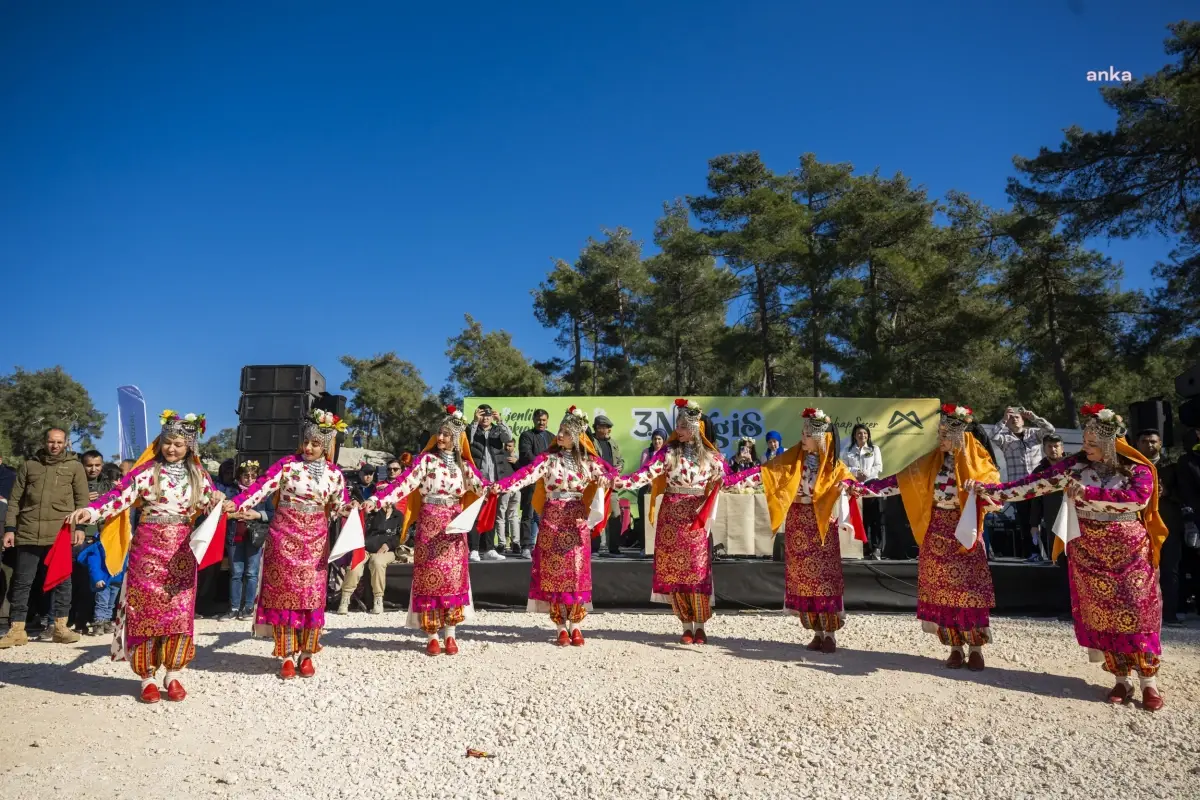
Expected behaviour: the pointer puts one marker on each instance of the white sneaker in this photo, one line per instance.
(526, 553)
(474, 556)
(492, 555)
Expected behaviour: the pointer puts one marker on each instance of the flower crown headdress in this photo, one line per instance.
(454, 422)
(957, 416)
(576, 420)
(687, 414)
(1106, 423)
(251, 464)
(745, 440)
(189, 426)
(323, 425)
(816, 421)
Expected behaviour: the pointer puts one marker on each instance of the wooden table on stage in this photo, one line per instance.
(743, 525)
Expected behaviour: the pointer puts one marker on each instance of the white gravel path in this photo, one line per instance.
(630, 715)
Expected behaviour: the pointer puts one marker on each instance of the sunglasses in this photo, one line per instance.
(395, 469)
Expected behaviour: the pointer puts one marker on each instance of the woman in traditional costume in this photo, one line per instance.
(954, 584)
(685, 472)
(291, 594)
(569, 475)
(804, 487)
(1114, 534)
(158, 597)
(442, 481)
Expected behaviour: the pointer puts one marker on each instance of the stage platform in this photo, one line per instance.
(756, 584)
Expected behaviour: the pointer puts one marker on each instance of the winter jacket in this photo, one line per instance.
(382, 529)
(92, 557)
(47, 489)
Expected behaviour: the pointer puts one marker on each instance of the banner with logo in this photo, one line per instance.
(131, 422)
(904, 429)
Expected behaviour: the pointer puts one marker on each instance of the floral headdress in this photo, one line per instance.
(323, 426)
(576, 421)
(955, 419)
(687, 414)
(250, 464)
(190, 426)
(454, 422)
(1106, 424)
(816, 421)
(745, 440)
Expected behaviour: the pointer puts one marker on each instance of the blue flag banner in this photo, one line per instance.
(131, 421)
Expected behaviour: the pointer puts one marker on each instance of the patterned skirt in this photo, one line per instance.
(160, 583)
(813, 580)
(682, 558)
(1115, 598)
(294, 571)
(440, 578)
(562, 558)
(954, 586)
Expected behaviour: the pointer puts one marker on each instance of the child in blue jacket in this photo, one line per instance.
(107, 588)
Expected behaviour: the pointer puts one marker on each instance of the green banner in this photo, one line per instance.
(902, 428)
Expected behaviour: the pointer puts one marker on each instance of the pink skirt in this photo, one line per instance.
(812, 571)
(682, 558)
(441, 578)
(294, 570)
(562, 557)
(954, 586)
(160, 583)
(1115, 598)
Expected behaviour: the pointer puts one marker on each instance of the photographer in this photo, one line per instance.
(1022, 448)
(487, 436)
(747, 455)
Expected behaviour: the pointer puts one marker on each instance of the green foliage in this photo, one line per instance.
(486, 364)
(31, 402)
(390, 402)
(220, 446)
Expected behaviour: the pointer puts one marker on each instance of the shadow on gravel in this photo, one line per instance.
(211, 657)
(63, 678)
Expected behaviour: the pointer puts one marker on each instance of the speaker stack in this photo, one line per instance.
(275, 402)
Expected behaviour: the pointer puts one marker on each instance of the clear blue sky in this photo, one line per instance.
(187, 188)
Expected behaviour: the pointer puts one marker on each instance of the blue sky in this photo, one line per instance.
(187, 189)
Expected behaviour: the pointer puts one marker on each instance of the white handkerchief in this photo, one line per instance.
(1066, 524)
(351, 538)
(202, 537)
(967, 529)
(465, 521)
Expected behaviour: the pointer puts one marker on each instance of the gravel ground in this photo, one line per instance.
(632, 714)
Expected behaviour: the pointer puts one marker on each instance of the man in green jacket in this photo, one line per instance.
(48, 488)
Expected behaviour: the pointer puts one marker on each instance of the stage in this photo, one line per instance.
(623, 582)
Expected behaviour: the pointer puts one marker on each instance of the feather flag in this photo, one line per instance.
(206, 545)
(351, 540)
(58, 559)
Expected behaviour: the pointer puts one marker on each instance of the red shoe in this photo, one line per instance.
(577, 638)
(687, 638)
(150, 694)
(307, 669)
(175, 691)
(1151, 699)
(975, 661)
(451, 646)
(434, 647)
(288, 670)
(564, 639)
(815, 644)
(955, 661)
(1119, 695)
(700, 637)
(828, 645)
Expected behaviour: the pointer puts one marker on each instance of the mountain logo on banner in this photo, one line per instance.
(905, 418)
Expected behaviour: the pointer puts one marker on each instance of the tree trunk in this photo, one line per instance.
(814, 327)
(764, 331)
(1056, 350)
(623, 339)
(577, 335)
(873, 354)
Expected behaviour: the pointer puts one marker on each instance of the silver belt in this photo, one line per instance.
(804, 500)
(303, 508)
(566, 495)
(166, 519)
(441, 500)
(1098, 516)
(695, 491)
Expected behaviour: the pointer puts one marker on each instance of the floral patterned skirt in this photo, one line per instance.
(813, 570)
(562, 558)
(441, 578)
(160, 583)
(1115, 598)
(954, 586)
(682, 557)
(294, 570)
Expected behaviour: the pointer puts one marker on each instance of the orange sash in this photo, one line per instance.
(781, 478)
(658, 486)
(414, 501)
(917, 480)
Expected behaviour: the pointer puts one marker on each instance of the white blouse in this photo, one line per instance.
(1106, 491)
(298, 482)
(682, 472)
(558, 474)
(432, 475)
(867, 460)
(804, 492)
(174, 495)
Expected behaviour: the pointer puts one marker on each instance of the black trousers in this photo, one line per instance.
(1169, 564)
(481, 542)
(28, 570)
(872, 514)
(612, 532)
(1023, 511)
(529, 518)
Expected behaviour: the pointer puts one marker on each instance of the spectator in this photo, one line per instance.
(366, 480)
(126, 466)
(1149, 444)
(1043, 512)
(508, 505)
(48, 487)
(658, 440)
(105, 588)
(1022, 447)
(746, 456)
(774, 445)
(532, 444)
(863, 458)
(1187, 481)
(83, 590)
(382, 542)
(487, 436)
(610, 451)
(245, 533)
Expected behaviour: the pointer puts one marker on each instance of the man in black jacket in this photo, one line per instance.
(381, 542)
(487, 436)
(1187, 483)
(531, 445)
(1170, 508)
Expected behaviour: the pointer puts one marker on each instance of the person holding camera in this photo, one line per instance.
(487, 436)
(1019, 436)
(747, 455)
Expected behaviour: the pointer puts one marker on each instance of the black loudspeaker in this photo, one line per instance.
(1151, 415)
(275, 407)
(265, 458)
(335, 403)
(1188, 383)
(1189, 413)
(284, 378)
(266, 436)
